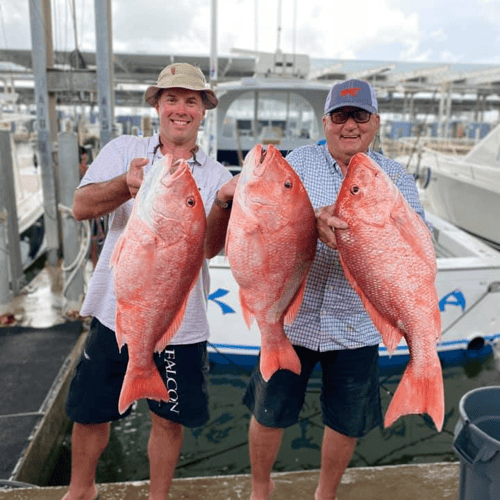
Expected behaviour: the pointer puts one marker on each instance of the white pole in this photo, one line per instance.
(256, 25)
(294, 27)
(211, 128)
(279, 27)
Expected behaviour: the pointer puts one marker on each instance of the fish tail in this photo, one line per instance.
(420, 391)
(139, 384)
(278, 356)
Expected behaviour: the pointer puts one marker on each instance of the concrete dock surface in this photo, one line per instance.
(439, 481)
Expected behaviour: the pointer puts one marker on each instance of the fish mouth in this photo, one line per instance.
(260, 163)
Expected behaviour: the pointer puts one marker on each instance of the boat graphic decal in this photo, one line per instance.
(220, 292)
(455, 298)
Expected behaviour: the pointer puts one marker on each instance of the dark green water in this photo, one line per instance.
(221, 446)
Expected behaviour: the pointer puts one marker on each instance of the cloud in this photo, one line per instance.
(438, 36)
(367, 29)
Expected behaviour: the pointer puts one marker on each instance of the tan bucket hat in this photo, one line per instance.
(185, 76)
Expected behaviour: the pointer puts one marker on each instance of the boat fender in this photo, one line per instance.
(424, 177)
(476, 343)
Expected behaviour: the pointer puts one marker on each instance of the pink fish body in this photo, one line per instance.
(270, 244)
(156, 261)
(388, 258)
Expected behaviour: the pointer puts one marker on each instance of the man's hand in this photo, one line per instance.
(226, 191)
(135, 175)
(326, 223)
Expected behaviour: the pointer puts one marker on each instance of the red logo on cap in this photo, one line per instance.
(172, 70)
(353, 92)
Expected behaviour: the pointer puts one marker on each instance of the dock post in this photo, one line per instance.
(42, 57)
(68, 180)
(11, 268)
(105, 69)
(5, 294)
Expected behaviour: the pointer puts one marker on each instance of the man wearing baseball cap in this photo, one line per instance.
(181, 98)
(332, 327)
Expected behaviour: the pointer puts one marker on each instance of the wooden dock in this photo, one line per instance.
(407, 482)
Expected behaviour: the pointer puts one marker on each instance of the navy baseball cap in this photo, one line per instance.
(355, 93)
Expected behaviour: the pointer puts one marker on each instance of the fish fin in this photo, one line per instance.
(247, 314)
(391, 335)
(174, 326)
(419, 393)
(228, 237)
(294, 307)
(118, 329)
(437, 321)
(141, 384)
(278, 355)
(115, 255)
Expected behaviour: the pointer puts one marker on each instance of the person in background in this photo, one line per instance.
(84, 158)
(181, 99)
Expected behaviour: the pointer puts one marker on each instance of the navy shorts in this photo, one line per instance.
(95, 388)
(350, 394)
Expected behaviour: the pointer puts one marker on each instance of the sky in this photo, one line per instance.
(448, 31)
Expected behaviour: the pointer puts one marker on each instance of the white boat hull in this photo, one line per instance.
(468, 284)
(466, 196)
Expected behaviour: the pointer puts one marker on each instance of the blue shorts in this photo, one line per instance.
(95, 388)
(350, 394)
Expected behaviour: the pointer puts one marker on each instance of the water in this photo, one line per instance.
(221, 447)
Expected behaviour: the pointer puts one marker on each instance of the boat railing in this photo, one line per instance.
(409, 145)
(447, 156)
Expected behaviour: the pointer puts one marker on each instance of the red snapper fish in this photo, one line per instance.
(388, 258)
(270, 244)
(156, 261)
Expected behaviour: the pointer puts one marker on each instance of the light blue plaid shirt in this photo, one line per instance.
(332, 316)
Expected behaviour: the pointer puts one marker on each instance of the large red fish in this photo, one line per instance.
(271, 243)
(156, 262)
(388, 257)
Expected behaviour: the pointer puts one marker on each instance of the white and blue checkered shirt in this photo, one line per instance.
(332, 316)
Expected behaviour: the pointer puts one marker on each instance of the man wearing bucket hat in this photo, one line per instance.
(332, 326)
(181, 98)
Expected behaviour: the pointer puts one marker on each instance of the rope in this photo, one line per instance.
(79, 261)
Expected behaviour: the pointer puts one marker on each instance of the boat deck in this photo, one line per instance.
(408, 482)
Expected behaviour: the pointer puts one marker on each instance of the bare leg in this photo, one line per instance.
(336, 452)
(164, 446)
(264, 446)
(88, 441)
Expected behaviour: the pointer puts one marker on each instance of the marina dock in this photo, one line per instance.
(37, 358)
(409, 482)
(37, 355)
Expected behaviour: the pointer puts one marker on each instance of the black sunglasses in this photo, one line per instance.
(342, 115)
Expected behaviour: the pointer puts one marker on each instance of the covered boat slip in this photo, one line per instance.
(438, 481)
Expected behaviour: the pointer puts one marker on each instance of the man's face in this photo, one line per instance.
(180, 112)
(346, 139)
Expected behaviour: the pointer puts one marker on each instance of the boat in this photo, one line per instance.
(286, 100)
(278, 105)
(27, 177)
(468, 286)
(463, 189)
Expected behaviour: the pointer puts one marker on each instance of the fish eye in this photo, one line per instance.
(288, 184)
(355, 190)
(191, 202)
